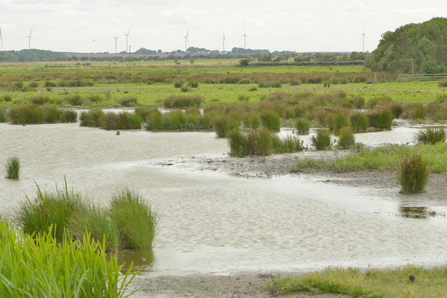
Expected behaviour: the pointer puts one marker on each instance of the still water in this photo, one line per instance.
(214, 222)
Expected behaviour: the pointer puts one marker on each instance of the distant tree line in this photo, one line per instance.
(30, 55)
(418, 48)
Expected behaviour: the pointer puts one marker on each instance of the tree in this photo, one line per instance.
(244, 62)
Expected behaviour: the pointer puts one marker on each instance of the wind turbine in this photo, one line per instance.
(223, 41)
(245, 38)
(127, 37)
(186, 40)
(116, 41)
(364, 35)
(29, 38)
(1, 39)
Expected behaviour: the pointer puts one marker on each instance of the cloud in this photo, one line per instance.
(180, 16)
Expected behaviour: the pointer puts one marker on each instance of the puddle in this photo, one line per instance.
(142, 259)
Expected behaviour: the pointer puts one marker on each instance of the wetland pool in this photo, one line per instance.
(213, 222)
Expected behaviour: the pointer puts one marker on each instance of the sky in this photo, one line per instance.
(90, 26)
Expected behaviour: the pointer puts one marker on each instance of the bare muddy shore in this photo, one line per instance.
(239, 285)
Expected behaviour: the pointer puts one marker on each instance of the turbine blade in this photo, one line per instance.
(187, 33)
(223, 33)
(31, 31)
(129, 30)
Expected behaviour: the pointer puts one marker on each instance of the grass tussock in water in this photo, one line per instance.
(57, 269)
(302, 126)
(431, 135)
(134, 219)
(13, 168)
(261, 142)
(371, 283)
(413, 174)
(386, 158)
(346, 138)
(322, 140)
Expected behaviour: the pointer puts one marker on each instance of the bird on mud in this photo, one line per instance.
(412, 277)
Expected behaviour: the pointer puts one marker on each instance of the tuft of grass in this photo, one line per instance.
(413, 174)
(359, 121)
(380, 118)
(337, 121)
(371, 283)
(302, 126)
(182, 101)
(122, 120)
(72, 269)
(134, 219)
(346, 139)
(270, 120)
(322, 140)
(128, 101)
(68, 116)
(431, 135)
(13, 168)
(92, 118)
(251, 120)
(48, 210)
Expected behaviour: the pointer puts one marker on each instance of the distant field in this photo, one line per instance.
(219, 81)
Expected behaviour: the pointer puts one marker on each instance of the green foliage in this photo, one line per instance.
(359, 121)
(251, 120)
(270, 120)
(2, 115)
(134, 219)
(13, 168)
(244, 62)
(413, 174)
(92, 118)
(223, 125)
(73, 99)
(244, 98)
(121, 120)
(73, 269)
(39, 100)
(322, 140)
(371, 103)
(128, 101)
(68, 116)
(346, 139)
(418, 111)
(32, 114)
(372, 283)
(337, 121)
(431, 135)
(270, 84)
(418, 47)
(358, 102)
(302, 126)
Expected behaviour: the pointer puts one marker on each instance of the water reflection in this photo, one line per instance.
(142, 259)
(415, 212)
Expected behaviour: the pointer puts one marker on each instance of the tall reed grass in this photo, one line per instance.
(134, 219)
(182, 101)
(13, 168)
(270, 120)
(43, 267)
(322, 140)
(413, 174)
(431, 135)
(346, 139)
(302, 126)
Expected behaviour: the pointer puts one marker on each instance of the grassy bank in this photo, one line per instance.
(371, 283)
(386, 158)
(53, 269)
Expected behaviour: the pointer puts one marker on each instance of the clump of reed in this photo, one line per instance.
(72, 269)
(3, 115)
(261, 142)
(177, 120)
(418, 111)
(358, 102)
(39, 100)
(346, 138)
(371, 103)
(359, 121)
(92, 118)
(431, 135)
(380, 118)
(302, 126)
(337, 121)
(322, 140)
(121, 120)
(413, 174)
(13, 168)
(32, 114)
(270, 120)
(223, 125)
(67, 116)
(251, 120)
(182, 101)
(134, 219)
(73, 99)
(270, 84)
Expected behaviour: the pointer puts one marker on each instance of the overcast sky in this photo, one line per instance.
(303, 26)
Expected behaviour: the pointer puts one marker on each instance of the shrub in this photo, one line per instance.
(33, 84)
(122, 120)
(7, 98)
(322, 140)
(29, 114)
(244, 98)
(193, 84)
(2, 115)
(39, 100)
(178, 84)
(13, 168)
(270, 84)
(431, 135)
(346, 138)
(134, 219)
(303, 126)
(51, 114)
(244, 82)
(128, 101)
(223, 125)
(154, 120)
(49, 84)
(375, 100)
(359, 121)
(413, 174)
(95, 98)
(270, 120)
(253, 89)
(380, 118)
(396, 108)
(74, 99)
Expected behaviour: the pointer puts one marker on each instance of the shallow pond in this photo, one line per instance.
(215, 222)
